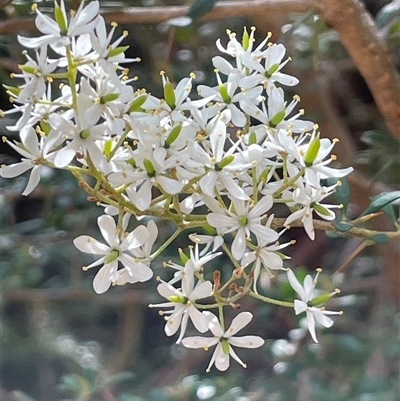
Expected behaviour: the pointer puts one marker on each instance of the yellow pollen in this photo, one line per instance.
(334, 157)
(34, 7)
(125, 33)
(4, 138)
(84, 268)
(1, 113)
(335, 140)
(319, 269)
(192, 75)
(158, 278)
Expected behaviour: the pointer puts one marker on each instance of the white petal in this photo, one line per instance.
(221, 359)
(311, 325)
(103, 278)
(247, 341)
(199, 320)
(13, 170)
(296, 284)
(239, 244)
(108, 228)
(33, 180)
(199, 342)
(90, 245)
(139, 271)
(240, 321)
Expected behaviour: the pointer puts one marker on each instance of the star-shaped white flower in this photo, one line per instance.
(35, 153)
(313, 313)
(224, 340)
(245, 218)
(119, 248)
(182, 300)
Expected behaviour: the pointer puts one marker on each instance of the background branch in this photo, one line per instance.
(370, 53)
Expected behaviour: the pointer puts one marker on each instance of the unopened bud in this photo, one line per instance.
(169, 94)
(277, 118)
(60, 19)
(148, 165)
(312, 151)
(173, 135)
(224, 162)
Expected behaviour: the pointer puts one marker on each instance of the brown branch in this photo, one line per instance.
(144, 15)
(370, 53)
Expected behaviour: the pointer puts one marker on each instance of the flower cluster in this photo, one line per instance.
(235, 150)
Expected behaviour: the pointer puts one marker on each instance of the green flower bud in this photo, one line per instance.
(277, 118)
(225, 345)
(60, 19)
(117, 50)
(13, 90)
(28, 69)
(113, 255)
(148, 165)
(182, 255)
(107, 147)
(264, 175)
(224, 162)
(173, 135)
(84, 134)
(320, 209)
(132, 162)
(224, 93)
(245, 39)
(312, 151)
(271, 70)
(320, 299)
(179, 299)
(252, 138)
(109, 98)
(137, 103)
(169, 94)
(44, 127)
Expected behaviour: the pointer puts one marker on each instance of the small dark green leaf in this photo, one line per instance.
(390, 210)
(342, 225)
(200, 7)
(381, 237)
(378, 202)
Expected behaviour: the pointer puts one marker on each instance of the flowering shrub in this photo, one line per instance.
(217, 164)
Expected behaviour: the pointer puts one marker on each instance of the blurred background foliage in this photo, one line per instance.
(61, 341)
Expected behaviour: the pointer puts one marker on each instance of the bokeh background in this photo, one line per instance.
(61, 341)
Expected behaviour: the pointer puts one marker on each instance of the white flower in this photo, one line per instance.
(141, 254)
(183, 303)
(57, 33)
(245, 218)
(265, 256)
(224, 340)
(229, 93)
(270, 72)
(309, 198)
(120, 247)
(313, 313)
(35, 153)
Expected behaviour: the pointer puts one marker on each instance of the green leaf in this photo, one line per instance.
(200, 7)
(381, 238)
(378, 202)
(342, 225)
